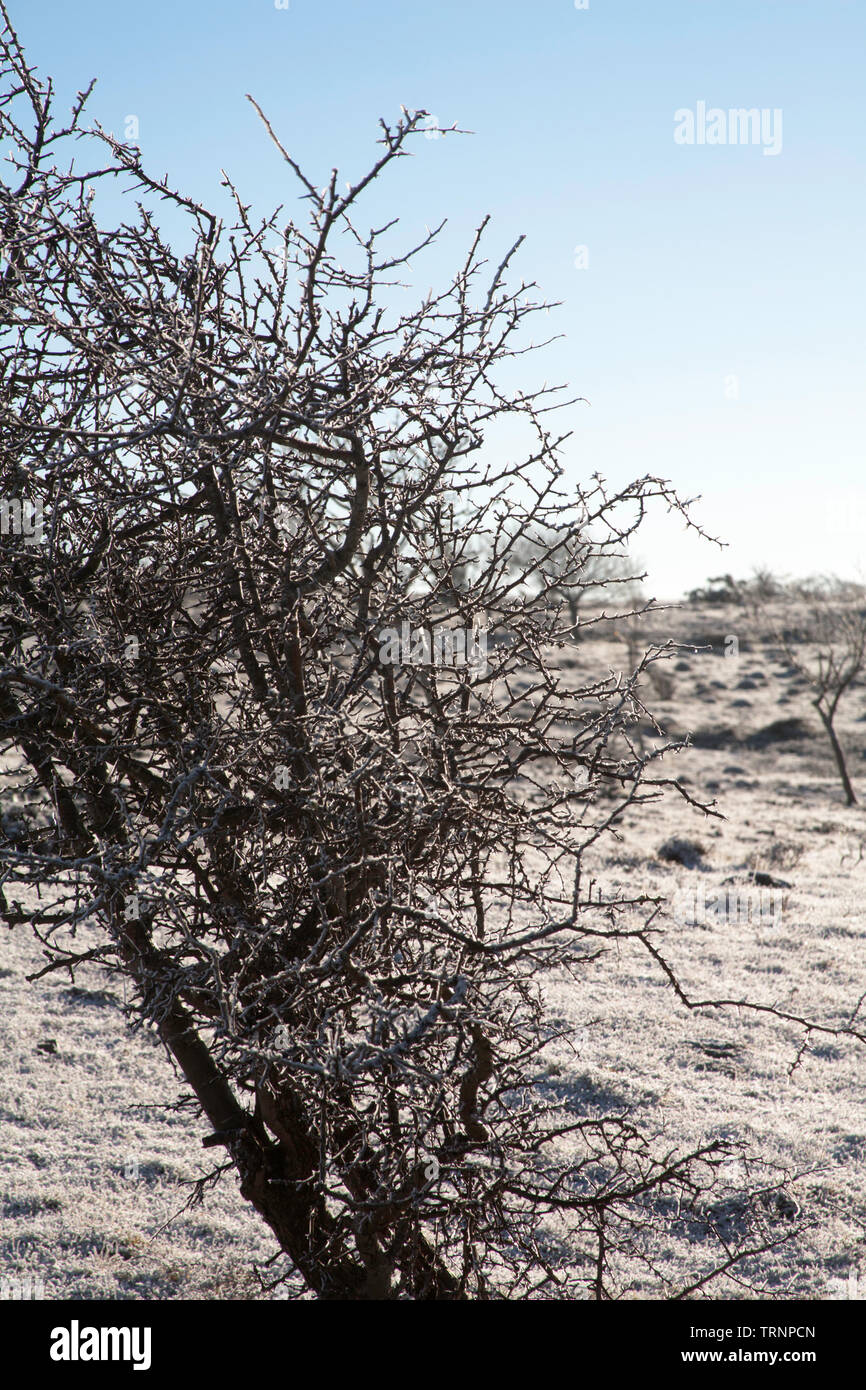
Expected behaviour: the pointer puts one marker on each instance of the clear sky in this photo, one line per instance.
(715, 321)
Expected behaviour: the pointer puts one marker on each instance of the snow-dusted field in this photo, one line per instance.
(94, 1175)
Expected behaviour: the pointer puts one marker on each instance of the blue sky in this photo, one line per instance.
(718, 327)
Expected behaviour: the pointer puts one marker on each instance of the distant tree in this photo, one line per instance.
(727, 590)
(829, 653)
(563, 565)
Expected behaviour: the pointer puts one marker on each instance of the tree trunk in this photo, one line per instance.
(826, 720)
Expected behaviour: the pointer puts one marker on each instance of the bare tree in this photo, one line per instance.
(564, 565)
(330, 875)
(829, 653)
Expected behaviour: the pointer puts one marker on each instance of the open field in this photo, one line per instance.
(94, 1174)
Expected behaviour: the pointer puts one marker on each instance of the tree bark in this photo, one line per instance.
(826, 720)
